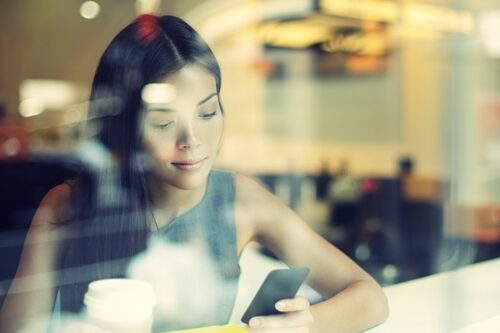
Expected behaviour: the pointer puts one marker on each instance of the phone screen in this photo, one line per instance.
(279, 284)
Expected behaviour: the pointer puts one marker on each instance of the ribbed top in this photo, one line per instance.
(211, 221)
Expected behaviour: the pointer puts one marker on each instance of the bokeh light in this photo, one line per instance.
(89, 10)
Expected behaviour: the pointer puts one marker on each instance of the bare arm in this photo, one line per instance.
(32, 292)
(353, 300)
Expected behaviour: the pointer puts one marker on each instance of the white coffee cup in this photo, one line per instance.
(120, 305)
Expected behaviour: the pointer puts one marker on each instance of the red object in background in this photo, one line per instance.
(369, 186)
(14, 140)
(264, 66)
(486, 226)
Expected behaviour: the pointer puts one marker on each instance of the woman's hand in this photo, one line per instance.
(295, 317)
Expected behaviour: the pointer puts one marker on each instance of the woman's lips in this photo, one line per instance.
(189, 165)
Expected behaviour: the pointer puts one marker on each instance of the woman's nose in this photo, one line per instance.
(187, 138)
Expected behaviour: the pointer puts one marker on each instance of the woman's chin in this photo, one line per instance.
(188, 180)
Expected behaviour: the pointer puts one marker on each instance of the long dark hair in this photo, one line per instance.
(111, 207)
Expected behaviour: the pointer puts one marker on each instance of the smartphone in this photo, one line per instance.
(279, 284)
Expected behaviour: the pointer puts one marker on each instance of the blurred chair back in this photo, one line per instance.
(399, 231)
(23, 185)
(379, 220)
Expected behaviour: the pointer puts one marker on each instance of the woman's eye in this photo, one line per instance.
(208, 115)
(162, 126)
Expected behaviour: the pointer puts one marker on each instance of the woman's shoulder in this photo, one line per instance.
(258, 211)
(249, 191)
(54, 208)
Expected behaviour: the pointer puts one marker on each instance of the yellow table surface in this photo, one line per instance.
(214, 329)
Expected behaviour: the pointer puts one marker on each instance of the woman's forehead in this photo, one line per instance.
(191, 76)
(192, 84)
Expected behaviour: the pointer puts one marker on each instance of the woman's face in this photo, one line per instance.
(183, 126)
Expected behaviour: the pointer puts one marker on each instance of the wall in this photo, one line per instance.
(43, 39)
(418, 99)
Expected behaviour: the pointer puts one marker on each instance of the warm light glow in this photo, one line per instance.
(294, 34)
(158, 93)
(374, 43)
(382, 10)
(321, 30)
(216, 19)
(89, 10)
(54, 92)
(418, 15)
(437, 18)
(31, 107)
(38, 95)
(488, 28)
(147, 6)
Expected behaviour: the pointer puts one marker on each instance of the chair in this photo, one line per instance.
(23, 185)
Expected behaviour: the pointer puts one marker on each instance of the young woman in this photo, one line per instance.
(155, 107)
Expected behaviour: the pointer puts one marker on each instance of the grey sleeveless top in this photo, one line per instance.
(211, 224)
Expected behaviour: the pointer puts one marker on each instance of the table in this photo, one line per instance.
(462, 301)
(466, 300)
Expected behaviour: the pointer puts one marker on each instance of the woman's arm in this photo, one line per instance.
(353, 300)
(32, 292)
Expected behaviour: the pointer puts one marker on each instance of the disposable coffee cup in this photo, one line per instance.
(120, 305)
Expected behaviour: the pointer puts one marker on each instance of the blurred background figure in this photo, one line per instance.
(322, 180)
(344, 193)
(343, 196)
(406, 167)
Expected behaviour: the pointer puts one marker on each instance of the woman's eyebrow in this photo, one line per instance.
(206, 98)
(159, 109)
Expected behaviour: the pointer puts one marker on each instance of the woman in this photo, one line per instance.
(155, 106)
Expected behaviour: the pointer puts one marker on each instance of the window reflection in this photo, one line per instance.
(379, 128)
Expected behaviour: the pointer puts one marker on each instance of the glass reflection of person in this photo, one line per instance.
(164, 152)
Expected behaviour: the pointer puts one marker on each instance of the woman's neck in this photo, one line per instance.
(171, 202)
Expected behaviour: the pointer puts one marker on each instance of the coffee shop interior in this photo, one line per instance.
(377, 122)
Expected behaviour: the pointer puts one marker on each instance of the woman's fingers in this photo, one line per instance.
(295, 313)
(279, 330)
(299, 303)
(294, 319)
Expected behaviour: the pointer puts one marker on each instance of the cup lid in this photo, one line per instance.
(125, 296)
